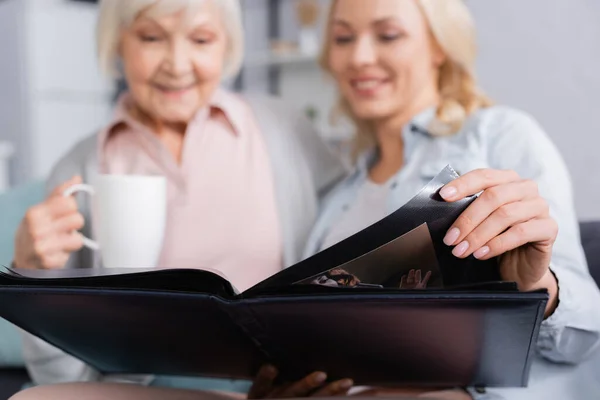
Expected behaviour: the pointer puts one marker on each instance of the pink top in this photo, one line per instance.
(222, 210)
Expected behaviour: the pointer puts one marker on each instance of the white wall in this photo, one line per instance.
(543, 56)
(12, 84)
(304, 84)
(68, 97)
(52, 92)
(256, 29)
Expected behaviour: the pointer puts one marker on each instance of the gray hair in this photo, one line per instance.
(116, 14)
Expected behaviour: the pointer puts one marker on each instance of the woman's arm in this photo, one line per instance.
(519, 143)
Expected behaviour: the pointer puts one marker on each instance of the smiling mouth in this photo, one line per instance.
(367, 86)
(173, 89)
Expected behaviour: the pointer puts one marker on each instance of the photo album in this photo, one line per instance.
(387, 306)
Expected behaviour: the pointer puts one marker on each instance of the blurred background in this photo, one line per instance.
(542, 56)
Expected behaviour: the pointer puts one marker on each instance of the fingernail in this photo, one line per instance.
(320, 377)
(460, 249)
(346, 384)
(482, 252)
(448, 192)
(451, 236)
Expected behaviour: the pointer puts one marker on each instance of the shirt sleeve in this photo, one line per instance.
(47, 364)
(516, 141)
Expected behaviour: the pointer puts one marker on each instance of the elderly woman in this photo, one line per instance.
(243, 174)
(405, 73)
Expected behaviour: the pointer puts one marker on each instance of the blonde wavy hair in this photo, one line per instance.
(453, 28)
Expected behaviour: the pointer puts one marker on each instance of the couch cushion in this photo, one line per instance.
(12, 381)
(13, 205)
(590, 238)
(11, 355)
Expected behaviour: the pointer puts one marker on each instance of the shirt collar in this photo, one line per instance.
(417, 126)
(229, 104)
(232, 106)
(420, 123)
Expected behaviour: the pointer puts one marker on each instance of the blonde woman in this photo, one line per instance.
(405, 73)
(244, 174)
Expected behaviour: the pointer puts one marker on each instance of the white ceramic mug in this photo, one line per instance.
(129, 214)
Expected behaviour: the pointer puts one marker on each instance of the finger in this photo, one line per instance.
(499, 221)
(55, 260)
(426, 279)
(540, 231)
(338, 388)
(60, 189)
(276, 393)
(263, 383)
(489, 201)
(71, 242)
(41, 218)
(475, 181)
(68, 223)
(418, 276)
(455, 394)
(411, 275)
(65, 243)
(305, 386)
(60, 206)
(403, 281)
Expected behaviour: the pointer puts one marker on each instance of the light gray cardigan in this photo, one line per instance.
(303, 169)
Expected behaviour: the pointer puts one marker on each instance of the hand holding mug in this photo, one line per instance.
(48, 234)
(129, 215)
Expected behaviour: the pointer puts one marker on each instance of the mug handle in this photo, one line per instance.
(82, 187)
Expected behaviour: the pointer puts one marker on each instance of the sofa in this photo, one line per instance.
(590, 239)
(13, 206)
